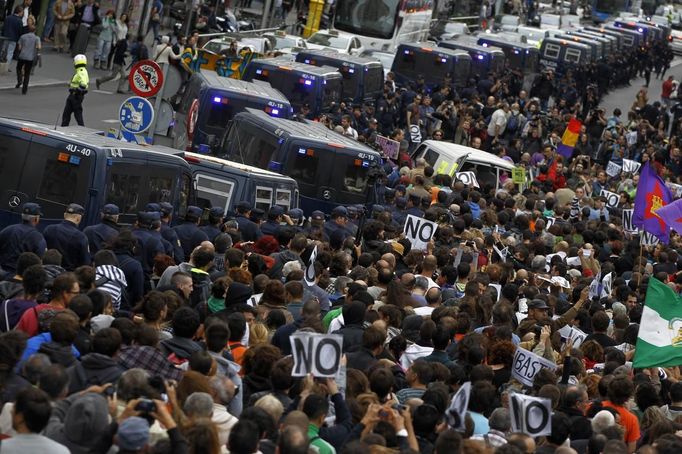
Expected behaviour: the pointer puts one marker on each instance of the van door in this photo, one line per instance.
(60, 173)
(14, 145)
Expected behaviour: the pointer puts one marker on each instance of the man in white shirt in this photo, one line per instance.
(498, 122)
(347, 128)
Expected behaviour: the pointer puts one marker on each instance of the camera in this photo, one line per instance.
(109, 391)
(145, 406)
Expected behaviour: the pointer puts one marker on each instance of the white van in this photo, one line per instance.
(448, 158)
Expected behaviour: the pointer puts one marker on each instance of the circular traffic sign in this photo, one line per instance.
(136, 115)
(192, 116)
(146, 78)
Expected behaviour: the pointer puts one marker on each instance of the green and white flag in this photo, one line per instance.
(659, 342)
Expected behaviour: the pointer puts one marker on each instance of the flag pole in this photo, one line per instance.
(641, 250)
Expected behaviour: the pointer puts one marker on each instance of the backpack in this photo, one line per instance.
(513, 123)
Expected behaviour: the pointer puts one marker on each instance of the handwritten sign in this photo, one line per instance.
(419, 231)
(530, 415)
(390, 147)
(317, 354)
(527, 364)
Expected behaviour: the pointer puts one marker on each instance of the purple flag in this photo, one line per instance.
(672, 215)
(652, 194)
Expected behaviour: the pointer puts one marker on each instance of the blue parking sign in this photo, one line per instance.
(136, 114)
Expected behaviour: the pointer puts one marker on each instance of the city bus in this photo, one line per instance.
(384, 24)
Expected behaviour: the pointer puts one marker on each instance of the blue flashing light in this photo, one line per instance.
(351, 70)
(308, 82)
(480, 57)
(74, 160)
(280, 141)
(274, 111)
(217, 99)
(407, 52)
(306, 61)
(301, 151)
(259, 71)
(485, 44)
(444, 60)
(275, 166)
(640, 29)
(516, 51)
(203, 148)
(528, 52)
(365, 163)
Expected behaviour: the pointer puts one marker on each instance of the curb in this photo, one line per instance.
(48, 83)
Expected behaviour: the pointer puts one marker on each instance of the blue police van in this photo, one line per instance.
(330, 169)
(432, 63)
(58, 166)
(484, 60)
(363, 78)
(210, 102)
(222, 183)
(562, 54)
(520, 56)
(318, 87)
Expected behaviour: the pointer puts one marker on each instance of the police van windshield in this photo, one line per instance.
(250, 145)
(221, 109)
(374, 80)
(332, 93)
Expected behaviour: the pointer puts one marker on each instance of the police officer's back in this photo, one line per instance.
(148, 244)
(188, 232)
(166, 210)
(18, 238)
(315, 228)
(102, 234)
(215, 220)
(249, 230)
(68, 240)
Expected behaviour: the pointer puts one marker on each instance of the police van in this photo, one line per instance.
(363, 78)
(561, 54)
(58, 166)
(649, 33)
(222, 183)
(449, 158)
(520, 56)
(631, 38)
(432, 63)
(316, 86)
(210, 102)
(484, 60)
(617, 43)
(596, 48)
(605, 44)
(330, 169)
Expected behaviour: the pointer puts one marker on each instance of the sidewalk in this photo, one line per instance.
(57, 69)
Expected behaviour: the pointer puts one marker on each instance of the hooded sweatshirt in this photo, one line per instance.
(93, 369)
(58, 353)
(181, 347)
(80, 423)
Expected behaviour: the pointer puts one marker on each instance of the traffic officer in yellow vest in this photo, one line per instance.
(77, 90)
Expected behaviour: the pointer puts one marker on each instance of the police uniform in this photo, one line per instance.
(188, 232)
(105, 232)
(149, 245)
(169, 234)
(19, 238)
(215, 218)
(296, 214)
(271, 226)
(331, 226)
(68, 240)
(77, 90)
(247, 228)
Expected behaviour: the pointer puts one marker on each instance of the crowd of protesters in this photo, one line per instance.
(154, 338)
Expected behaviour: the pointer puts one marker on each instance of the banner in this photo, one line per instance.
(628, 226)
(527, 364)
(571, 332)
(317, 354)
(612, 198)
(530, 415)
(630, 166)
(613, 169)
(419, 231)
(468, 178)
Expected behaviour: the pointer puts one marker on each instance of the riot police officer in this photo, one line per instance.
(248, 229)
(19, 238)
(149, 244)
(67, 239)
(188, 232)
(275, 215)
(215, 221)
(168, 233)
(337, 221)
(78, 87)
(102, 234)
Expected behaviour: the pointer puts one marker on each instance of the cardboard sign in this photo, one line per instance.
(606, 285)
(647, 239)
(630, 166)
(419, 231)
(390, 147)
(458, 407)
(530, 415)
(317, 354)
(612, 198)
(628, 226)
(527, 364)
(571, 332)
(310, 269)
(613, 169)
(519, 175)
(415, 134)
(468, 178)
(631, 138)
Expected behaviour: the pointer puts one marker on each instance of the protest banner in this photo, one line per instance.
(390, 147)
(530, 415)
(527, 364)
(458, 407)
(419, 231)
(317, 354)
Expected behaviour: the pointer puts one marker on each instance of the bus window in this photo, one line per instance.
(304, 166)
(160, 189)
(629, 41)
(367, 17)
(332, 92)
(220, 112)
(552, 51)
(374, 80)
(573, 55)
(124, 190)
(213, 192)
(283, 198)
(263, 198)
(252, 147)
(355, 178)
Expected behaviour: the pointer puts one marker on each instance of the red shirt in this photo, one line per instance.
(666, 89)
(627, 420)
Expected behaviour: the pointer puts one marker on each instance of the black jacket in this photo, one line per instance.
(93, 369)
